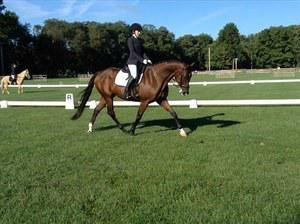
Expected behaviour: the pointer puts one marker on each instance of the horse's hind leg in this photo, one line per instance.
(165, 104)
(97, 110)
(111, 112)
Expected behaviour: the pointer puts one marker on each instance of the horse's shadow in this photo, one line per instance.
(191, 123)
(39, 91)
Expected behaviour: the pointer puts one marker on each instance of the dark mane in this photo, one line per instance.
(170, 61)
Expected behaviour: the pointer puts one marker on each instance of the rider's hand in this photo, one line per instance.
(149, 61)
(145, 61)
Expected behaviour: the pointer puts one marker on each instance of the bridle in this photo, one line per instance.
(178, 84)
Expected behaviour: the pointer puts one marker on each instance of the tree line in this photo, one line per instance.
(60, 48)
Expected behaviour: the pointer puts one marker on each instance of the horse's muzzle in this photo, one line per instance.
(184, 91)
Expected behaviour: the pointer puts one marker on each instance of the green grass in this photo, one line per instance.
(238, 164)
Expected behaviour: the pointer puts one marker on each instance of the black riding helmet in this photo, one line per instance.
(136, 26)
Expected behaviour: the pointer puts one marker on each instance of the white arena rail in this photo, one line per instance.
(52, 86)
(246, 82)
(204, 83)
(191, 103)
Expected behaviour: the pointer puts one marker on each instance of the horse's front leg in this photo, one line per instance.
(6, 89)
(165, 104)
(20, 89)
(142, 108)
(111, 112)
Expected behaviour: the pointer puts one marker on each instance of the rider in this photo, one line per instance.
(137, 56)
(13, 74)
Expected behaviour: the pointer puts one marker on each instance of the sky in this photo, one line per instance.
(180, 17)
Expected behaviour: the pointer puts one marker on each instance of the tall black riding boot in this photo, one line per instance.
(127, 92)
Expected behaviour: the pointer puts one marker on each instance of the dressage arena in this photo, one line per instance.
(239, 164)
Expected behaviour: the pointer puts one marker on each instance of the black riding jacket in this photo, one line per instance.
(13, 72)
(136, 51)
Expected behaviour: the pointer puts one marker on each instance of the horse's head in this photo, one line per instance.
(27, 75)
(24, 74)
(183, 76)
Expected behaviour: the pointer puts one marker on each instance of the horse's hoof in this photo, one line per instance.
(124, 130)
(130, 132)
(90, 130)
(182, 133)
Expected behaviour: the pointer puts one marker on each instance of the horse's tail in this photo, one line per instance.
(84, 98)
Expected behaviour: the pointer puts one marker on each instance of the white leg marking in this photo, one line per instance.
(183, 133)
(90, 127)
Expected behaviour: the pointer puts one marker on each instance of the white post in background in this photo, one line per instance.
(69, 101)
(209, 59)
(3, 104)
(193, 104)
(93, 104)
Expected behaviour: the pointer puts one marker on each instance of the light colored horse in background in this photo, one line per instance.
(5, 81)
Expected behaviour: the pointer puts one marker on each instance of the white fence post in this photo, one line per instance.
(93, 104)
(4, 104)
(69, 101)
(193, 104)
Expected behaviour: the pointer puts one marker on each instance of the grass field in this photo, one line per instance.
(238, 164)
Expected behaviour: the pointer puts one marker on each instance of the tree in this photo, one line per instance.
(2, 7)
(16, 41)
(52, 49)
(295, 36)
(159, 43)
(277, 47)
(227, 46)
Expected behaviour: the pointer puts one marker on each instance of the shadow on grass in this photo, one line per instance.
(39, 91)
(191, 123)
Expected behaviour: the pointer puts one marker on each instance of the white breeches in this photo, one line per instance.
(132, 69)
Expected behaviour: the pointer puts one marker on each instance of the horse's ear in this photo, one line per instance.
(190, 66)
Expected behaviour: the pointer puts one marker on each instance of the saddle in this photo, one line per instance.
(12, 80)
(124, 79)
(125, 69)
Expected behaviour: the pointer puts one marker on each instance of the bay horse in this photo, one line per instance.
(5, 81)
(152, 88)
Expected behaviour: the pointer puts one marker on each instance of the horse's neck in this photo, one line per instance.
(167, 72)
(22, 75)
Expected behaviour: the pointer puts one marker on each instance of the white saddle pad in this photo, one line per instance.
(122, 78)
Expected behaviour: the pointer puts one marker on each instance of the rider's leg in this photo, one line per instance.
(128, 88)
(133, 73)
(13, 79)
(133, 70)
